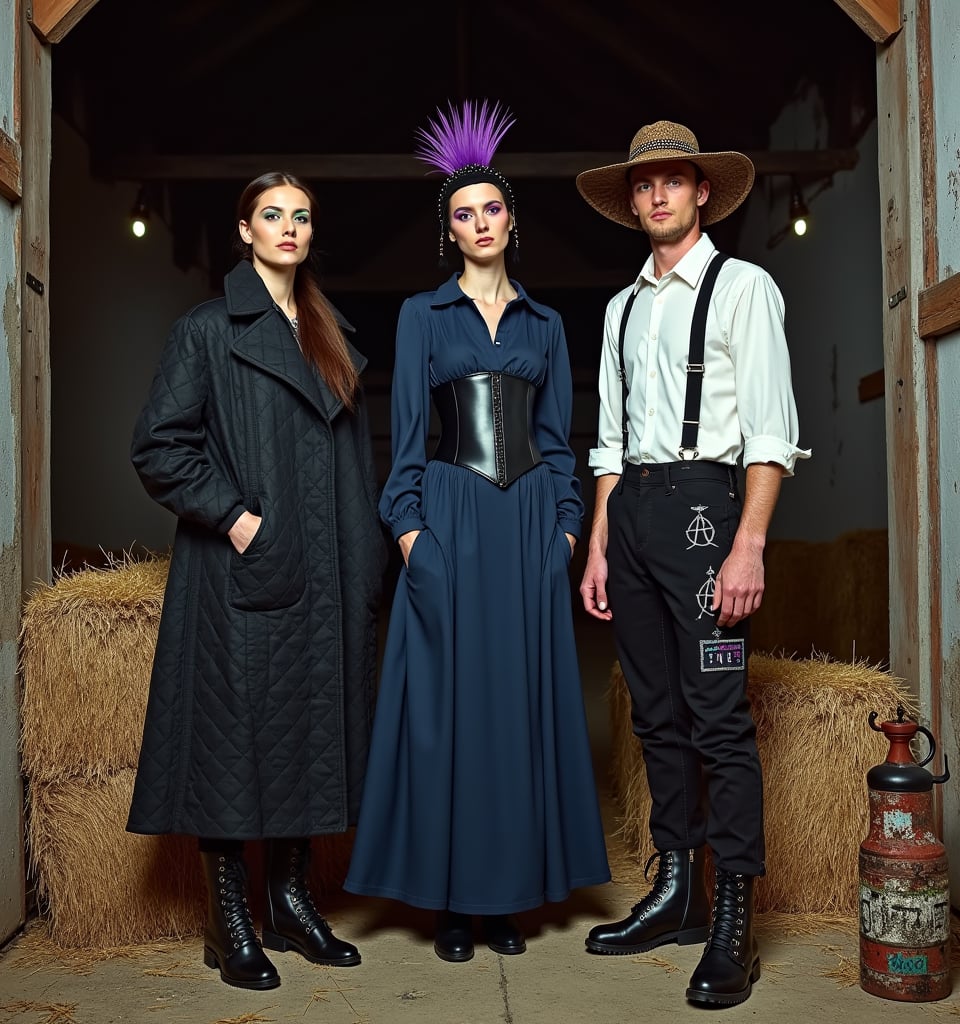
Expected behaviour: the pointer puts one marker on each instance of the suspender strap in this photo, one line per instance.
(695, 365)
(623, 372)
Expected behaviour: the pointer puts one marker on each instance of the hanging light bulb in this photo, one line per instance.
(799, 214)
(139, 215)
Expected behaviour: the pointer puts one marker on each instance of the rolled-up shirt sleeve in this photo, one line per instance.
(607, 457)
(765, 402)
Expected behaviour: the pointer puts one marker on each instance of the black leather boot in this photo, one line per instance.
(676, 909)
(290, 919)
(502, 934)
(731, 962)
(454, 939)
(229, 940)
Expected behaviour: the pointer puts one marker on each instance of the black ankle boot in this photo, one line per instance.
(731, 962)
(502, 934)
(675, 910)
(290, 920)
(229, 940)
(454, 939)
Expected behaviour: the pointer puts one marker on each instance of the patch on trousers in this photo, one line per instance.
(722, 656)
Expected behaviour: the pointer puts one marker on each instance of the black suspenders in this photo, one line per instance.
(695, 365)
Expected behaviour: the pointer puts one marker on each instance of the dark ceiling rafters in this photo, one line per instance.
(222, 90)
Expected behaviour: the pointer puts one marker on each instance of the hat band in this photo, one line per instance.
(647, 147)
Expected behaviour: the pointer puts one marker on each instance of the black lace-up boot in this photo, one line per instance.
(230, 942)
(675, 910)
(290, 920)
(731, 962)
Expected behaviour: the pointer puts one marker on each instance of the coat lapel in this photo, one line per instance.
(266, 340)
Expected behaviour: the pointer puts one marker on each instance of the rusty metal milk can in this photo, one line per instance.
(904, 888)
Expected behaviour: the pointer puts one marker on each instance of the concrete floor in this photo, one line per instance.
(810, 973)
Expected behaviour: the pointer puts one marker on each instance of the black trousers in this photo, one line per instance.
(670, 528)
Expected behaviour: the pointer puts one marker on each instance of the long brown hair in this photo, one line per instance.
(321, 339)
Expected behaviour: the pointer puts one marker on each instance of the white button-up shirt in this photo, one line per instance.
(747, 405)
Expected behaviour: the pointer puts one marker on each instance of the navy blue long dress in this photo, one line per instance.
(480, 796)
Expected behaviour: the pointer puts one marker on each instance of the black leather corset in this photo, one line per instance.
(486, 424)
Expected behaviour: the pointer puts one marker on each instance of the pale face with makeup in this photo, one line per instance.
(480, 223)
(280, 229)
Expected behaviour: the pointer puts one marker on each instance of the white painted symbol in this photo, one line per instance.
(716, 634)
(705, 595)
(701, 531)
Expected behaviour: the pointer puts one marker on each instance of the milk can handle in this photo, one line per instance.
(933, 746)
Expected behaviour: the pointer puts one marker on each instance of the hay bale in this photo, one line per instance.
(100, 887)
(816, 748)
(87, 646)
(856, 608)
(845, 611)
(783, 623)
(86, 652)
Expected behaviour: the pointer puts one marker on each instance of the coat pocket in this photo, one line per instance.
(270, 573)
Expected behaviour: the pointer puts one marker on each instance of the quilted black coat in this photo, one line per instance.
(260, 704)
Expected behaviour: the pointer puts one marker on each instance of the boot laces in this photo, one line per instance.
(729, 908)
(300, 898)
(233, 902)
(661, 883)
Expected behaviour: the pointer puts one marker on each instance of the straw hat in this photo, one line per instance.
(730, 174)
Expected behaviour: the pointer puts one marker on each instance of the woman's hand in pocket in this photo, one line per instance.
(244, 530)
(406, 541)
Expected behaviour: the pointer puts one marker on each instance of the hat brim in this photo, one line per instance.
(730, 175)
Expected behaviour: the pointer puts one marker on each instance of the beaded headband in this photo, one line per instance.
(461, 145)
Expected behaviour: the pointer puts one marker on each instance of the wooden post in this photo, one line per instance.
(35, 311)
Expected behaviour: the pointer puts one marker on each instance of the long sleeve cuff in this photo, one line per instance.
(402, 526)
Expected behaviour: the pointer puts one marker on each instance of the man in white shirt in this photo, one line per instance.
(695, 373)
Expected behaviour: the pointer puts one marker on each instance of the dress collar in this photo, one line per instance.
(450, 293)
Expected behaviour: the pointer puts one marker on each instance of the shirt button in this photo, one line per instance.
(653, 374)
(649, 412)
(653, 336)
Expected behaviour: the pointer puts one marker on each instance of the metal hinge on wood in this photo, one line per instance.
(35, 283)
(896, 298)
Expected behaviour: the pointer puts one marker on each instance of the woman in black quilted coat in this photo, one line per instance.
(255, 435)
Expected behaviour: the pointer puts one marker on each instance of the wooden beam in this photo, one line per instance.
(404, 167)
(905, 398)
(871, 386)
(53, 19)
(939, 309)
(880, 19)
(11, 181)
(36, 548)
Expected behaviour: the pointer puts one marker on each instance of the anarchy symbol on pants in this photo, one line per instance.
(705, 594)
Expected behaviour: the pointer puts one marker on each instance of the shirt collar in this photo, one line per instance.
(450, 293)
(690, 268)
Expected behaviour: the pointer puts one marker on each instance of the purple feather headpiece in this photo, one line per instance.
(461, 145)
(467, 136)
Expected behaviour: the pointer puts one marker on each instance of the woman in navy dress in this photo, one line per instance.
(479, 797)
